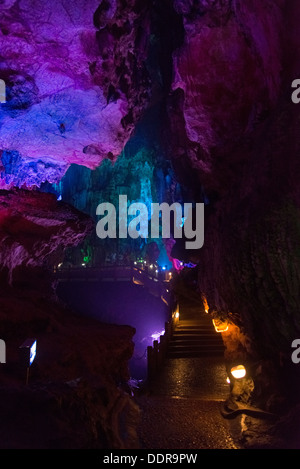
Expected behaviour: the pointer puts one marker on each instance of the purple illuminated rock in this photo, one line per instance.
(226, 75)
(71, 97)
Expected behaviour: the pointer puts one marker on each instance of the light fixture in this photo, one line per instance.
(27, 355)
(156, 335)
(238, 371)
(205, 304)
(220, 326)
(175, 314)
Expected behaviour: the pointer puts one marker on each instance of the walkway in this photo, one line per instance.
(181, 409)
(155, 281)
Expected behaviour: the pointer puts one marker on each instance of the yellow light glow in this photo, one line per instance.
(205, 304)
(177, 315)
(220, 326)
(137, 281)
(164, 300)
(238, 372)
(228, 380)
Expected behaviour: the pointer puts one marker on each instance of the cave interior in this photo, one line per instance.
(175, 101)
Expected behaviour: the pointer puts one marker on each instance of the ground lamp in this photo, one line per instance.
(27, 355)
(238, 371)
(220, 326)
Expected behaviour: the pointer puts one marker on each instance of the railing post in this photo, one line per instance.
(156, 355)
(162, 349)
(167, 331)
(150, 363)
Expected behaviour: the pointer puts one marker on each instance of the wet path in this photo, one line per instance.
(201, 378)
(182, 408)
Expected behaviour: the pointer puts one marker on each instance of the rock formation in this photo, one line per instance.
(69, 93)
(81, 76)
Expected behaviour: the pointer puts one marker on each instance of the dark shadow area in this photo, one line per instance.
(122, 304)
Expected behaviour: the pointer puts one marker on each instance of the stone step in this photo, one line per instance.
(195, 341)
(194, 332)
(208, 346)
(195, 337)
(195, 325)
(194, 353)
(195, 321)
(190, 330)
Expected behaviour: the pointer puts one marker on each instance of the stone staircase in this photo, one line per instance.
(195, 336)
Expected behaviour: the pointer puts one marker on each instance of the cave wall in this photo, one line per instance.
(76, 83)
(77, 395)
(237, 129)
(79, 79)
(143, 172)
(69, 100)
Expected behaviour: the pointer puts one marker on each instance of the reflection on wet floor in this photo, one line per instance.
(183, 407)
(203, 378)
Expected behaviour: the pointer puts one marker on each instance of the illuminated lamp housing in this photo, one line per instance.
(220, 326)
(156, 335)
(28, 352)
(238, 371)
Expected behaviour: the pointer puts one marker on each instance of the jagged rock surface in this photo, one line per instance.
(77, 395)
(76, 83)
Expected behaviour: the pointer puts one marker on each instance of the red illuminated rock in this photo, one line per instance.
(35, 229)
(227, 76)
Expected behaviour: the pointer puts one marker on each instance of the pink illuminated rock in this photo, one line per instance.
(228, 72)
